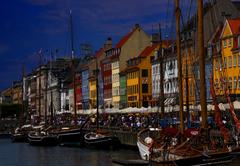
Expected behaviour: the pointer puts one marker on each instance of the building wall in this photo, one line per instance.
(133, 88)
(115, 84)
(227, 69)
(107, 83)
(123, 91)
(85, 89)
(138, 41)
(92, 93)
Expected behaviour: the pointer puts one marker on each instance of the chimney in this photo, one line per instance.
(136, 26)
(108, 44)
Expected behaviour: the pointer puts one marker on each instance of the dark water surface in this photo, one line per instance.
(22, 154)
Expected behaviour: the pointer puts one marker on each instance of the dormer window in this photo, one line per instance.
(229, 42)
(224, 44)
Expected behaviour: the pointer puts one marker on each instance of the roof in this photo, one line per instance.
(99, 52)
(148, 50)
(125, 38)
(216, 35)
(234, 25)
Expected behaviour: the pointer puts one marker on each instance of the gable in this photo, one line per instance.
(226, 31)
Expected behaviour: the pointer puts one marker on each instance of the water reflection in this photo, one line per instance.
(20, 154)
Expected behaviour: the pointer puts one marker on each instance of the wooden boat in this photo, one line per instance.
(100, 140)
(68, 135)
(145, 139)
(191, 151)
(42, 139)
(21, 133)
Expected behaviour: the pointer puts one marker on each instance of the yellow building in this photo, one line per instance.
(129, 46)
(227, 67)
(139, 78)
(189, 60)
(92, 92)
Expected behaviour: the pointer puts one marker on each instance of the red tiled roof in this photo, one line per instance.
(99, 52)
(148, 50)
(125, 38)
(234, 25)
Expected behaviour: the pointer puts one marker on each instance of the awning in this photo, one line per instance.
(169, 101)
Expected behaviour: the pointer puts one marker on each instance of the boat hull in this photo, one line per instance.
(48, 140)
(104, 142)
(19, 137)
(69, 137)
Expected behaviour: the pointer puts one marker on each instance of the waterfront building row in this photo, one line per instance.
(127, 74)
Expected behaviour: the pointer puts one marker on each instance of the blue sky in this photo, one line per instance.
(29, 25)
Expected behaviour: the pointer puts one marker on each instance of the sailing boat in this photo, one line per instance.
(98, 138)
(191, 147)
(71, 135)
(21, 133)
(41, 136)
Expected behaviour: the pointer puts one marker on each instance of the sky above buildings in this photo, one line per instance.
(30, 25)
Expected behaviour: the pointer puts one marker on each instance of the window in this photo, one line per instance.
(220, 64)
(216, 64)
(216, 83)
(238, 41)
(239, 82)
(229, 42)
(225, 62)
(229, 61)
(235, 83)
(144, 88)
(238, 60)
(224, 44)
(234, 60)
(230, 83)
(209, 50)
(144, 72)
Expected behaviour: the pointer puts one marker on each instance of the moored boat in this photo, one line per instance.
(145, 139)
(42, 139)
(68, 135)
(21, 133)
(100, 140)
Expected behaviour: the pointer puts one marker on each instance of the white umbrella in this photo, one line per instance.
(236, 104)
(221, 106)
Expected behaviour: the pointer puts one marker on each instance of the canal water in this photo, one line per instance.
(22, 154)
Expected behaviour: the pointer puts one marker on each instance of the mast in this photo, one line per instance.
(180, 88)
(22, 109)
(40, 84)
(73, 70)
(51, 106)
(160, 51)
(71, 30)
(45, 102)
(187, 90)
(202, 65)
(97, 93)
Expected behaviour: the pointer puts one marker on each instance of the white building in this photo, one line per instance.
(170, 76)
